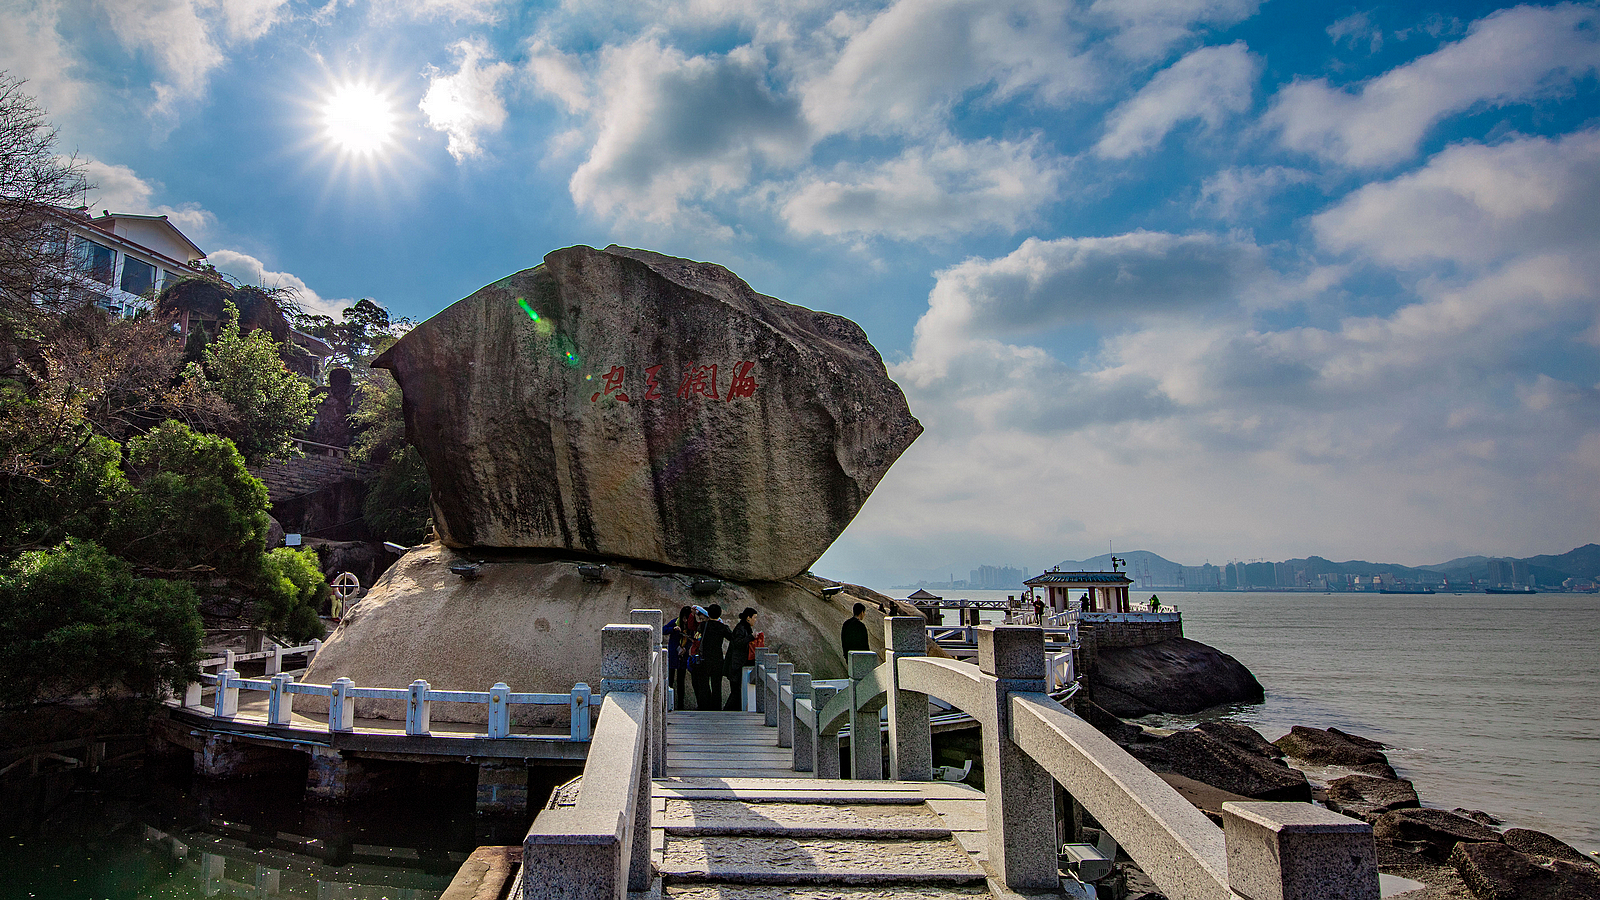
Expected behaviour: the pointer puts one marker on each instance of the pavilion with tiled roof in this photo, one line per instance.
(1104, 591)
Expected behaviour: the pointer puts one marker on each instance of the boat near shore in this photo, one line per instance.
(1510, 590)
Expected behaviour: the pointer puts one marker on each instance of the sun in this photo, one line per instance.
(358, 119)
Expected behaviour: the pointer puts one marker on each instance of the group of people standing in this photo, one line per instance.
(701, 647)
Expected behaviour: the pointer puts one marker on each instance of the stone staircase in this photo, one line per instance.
(759, 838)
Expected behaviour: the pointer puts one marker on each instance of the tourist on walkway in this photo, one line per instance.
(709, 672)
(853, 636)
(744, 634)
(680, 634)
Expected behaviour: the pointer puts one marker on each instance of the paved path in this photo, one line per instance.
(732, 821)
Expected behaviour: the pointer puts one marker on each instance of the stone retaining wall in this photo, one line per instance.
(1091, 638)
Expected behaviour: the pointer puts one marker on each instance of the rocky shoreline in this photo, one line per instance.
(1461, 854)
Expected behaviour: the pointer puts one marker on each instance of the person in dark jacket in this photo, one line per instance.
(680, 634)
(739, 657)
(708, 674)
(853, 636)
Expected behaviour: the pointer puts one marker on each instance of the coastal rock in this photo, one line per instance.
(1241, 736)
(1198, 755)
(1177, 675)
(1537, 843)
(1366, 797)
(1358, 740)
(1495, 871)
(1477, 815)
(534, 623)
(1430, 832)
(1327, 748)
(1107, 723)
(624, 404)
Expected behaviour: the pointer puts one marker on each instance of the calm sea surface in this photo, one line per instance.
(1493, 700)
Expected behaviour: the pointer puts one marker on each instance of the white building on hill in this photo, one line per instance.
(123, 260)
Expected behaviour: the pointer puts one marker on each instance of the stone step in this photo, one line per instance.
(800, 892)
(815, 861)
(798, 820)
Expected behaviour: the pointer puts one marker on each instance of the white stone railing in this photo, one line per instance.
(599, 847)
(274, 657)
(1264, 851)
(1167, 614)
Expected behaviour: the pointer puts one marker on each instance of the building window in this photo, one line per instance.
(170, 278)
(94, 260)
(137, 275)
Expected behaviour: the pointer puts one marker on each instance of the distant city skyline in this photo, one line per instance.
(1223, 277)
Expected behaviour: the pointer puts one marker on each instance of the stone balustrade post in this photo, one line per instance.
(275, 661)
(910, 734)
(580, 712)
(658, 688)
(227, 699)
(341, 706)
(192, 694)
(802, 725)
(785, 710)
(825, 758)
(1297, 851)
(756, 677)
(499, 710)
(1019, 793)
(769, 690)
(866, 737)
(280, 703)
(227, 659)
(417, 713)
(626, 664)
(316, 645)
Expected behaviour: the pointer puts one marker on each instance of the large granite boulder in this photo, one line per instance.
(630, 405)
(534, 622)
(1332, 747)
(1225, 765)
(1367, 797)
(1433, 833)
(1176, 675)
(1495, 871)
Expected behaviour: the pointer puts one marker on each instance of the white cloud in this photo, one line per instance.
(1210, 85)
(1044, 285)
(1474, 205)
(31, 47)
(671, 127)
(247, 20)
(558, 74)
(478, 12)
(249, 270)
(1510, 56)
(1233, 193)
(1147, 30)
(940, 190)
(466, 104)
(1357, 29)
(116, 187)
(905, 68)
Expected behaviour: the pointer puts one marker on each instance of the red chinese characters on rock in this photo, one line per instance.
(695, 382)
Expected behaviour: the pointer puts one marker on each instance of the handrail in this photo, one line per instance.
(604, 838)
(419, 697)
(1295, 851)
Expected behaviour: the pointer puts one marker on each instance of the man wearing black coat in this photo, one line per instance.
(853, 636)
(708, 674)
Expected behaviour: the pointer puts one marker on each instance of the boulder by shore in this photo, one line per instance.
(1177, 675)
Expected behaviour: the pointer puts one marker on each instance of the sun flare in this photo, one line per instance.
(358, 119)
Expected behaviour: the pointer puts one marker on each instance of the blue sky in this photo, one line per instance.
(1217, 278)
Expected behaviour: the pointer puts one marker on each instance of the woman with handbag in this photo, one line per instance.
(741, 653)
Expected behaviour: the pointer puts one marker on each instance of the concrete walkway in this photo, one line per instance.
(738, 838)
(724, 744)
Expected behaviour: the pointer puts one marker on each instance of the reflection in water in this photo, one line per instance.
(140, 834)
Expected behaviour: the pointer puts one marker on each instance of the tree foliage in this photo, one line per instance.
(361, 332)
(270, 404)
(35, 256)
(190, 503)
(74, 620)
(292, 590)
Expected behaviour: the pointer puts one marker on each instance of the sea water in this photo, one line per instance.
(1492, 701)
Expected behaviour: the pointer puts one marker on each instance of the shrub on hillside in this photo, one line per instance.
(75, 621)
(292, 590)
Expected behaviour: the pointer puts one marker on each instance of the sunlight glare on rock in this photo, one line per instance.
(358, 119)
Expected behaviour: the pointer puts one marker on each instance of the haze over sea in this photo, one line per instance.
(1491, 699)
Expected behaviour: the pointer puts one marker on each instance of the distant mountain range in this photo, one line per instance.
(1583, 562)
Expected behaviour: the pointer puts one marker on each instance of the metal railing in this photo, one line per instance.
(1290, 851)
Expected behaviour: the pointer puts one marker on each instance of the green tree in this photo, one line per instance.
(398, 504)
(292, 591)
(35, 182)
(75, 621)
(191, 505)
(270, 404)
